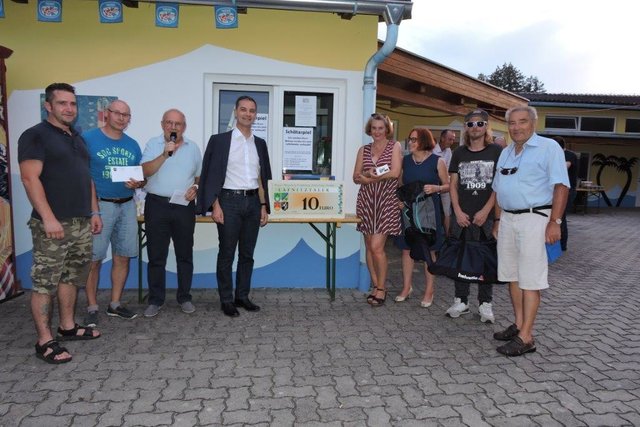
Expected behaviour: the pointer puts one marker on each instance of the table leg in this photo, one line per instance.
(331, 228)
(142, 242)
(330, 256)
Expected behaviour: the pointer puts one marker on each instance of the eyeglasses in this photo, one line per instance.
(508, 171)
(479, 124)
(171, 123)
(412, 139)
(119, 114)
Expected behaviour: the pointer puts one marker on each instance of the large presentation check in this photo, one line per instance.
(306, 199)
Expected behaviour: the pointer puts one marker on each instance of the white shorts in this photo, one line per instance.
(522, 255)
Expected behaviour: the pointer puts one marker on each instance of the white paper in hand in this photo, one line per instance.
(178, 198)
(125, 173)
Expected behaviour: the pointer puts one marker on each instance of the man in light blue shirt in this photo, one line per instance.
(531, 187)
(171, 164)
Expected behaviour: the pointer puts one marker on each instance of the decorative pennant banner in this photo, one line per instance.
(50, 10)
(1, 8)
(226, 17)
(110, 11)
(167, 15)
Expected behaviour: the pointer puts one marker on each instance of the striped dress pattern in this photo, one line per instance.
(377, 203)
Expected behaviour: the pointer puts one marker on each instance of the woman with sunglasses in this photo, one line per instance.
(421, 164)
(377, 168)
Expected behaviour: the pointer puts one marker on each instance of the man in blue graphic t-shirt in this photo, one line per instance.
(109, 146)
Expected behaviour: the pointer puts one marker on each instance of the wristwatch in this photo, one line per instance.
(558, 221)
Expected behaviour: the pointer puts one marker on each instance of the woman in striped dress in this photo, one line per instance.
(377, 203)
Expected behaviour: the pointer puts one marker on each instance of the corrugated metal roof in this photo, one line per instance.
(576, 98)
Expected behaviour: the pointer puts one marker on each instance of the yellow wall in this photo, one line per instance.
(81, 47)
(612, 179)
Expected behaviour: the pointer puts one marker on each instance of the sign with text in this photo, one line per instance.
(306, 199)
(297, 149)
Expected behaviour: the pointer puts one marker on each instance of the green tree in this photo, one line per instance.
(510, 78)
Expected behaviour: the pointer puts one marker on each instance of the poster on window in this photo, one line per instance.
(306, 110)
(297, 150)
(261, 126)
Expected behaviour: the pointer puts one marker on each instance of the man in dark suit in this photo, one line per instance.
(233, 184)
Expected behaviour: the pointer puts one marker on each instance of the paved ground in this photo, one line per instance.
(305, 361)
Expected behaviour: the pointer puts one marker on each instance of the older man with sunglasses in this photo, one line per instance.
(531, 189)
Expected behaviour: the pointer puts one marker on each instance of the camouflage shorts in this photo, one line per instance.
(67, 260)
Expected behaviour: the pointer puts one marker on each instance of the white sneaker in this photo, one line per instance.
(486, 313)
(457, 308)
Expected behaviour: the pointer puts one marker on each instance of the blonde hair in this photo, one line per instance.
(385, 119)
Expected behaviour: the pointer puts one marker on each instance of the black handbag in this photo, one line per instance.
(418, 220)
(464, 260)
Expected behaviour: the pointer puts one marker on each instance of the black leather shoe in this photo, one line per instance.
(230, 310)
(517, 347)
(508, 334)
(246, 304)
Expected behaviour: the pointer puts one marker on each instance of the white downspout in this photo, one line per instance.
(393, 17)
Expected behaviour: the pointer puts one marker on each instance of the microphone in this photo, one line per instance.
(172, 137)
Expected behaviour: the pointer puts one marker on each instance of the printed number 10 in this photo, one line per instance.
(310, 203)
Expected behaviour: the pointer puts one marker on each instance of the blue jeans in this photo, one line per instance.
(119, 228)
(166, 221)
(240, 230)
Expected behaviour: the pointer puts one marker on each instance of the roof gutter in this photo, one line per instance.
(392, 16)
(345, 7)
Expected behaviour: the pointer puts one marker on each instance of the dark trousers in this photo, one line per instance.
(564, 229)
(164, 222)
(485, 291)
(240, 230)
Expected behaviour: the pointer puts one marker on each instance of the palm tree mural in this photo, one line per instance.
(622, 164)
(602, 162)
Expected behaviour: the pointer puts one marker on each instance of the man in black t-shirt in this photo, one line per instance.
(54, 168)
(572, 169)
(472, 168)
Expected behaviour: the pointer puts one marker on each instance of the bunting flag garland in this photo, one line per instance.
(50, 10)
(226, 17)
(110, 11)
(167, 15)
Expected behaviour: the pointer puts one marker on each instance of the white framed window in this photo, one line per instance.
(275, 105)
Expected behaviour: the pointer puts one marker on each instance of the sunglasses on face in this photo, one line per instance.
(508, 171)
(479, 124)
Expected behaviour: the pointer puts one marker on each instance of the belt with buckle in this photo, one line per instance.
(155, 196)
(118, 201)
(535, 210)
(240, 192)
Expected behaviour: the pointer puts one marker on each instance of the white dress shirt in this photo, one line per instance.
(243, 167)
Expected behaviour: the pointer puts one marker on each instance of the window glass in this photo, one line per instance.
(558, 122)
(632, 126)
(302, 158)
(597, 124)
